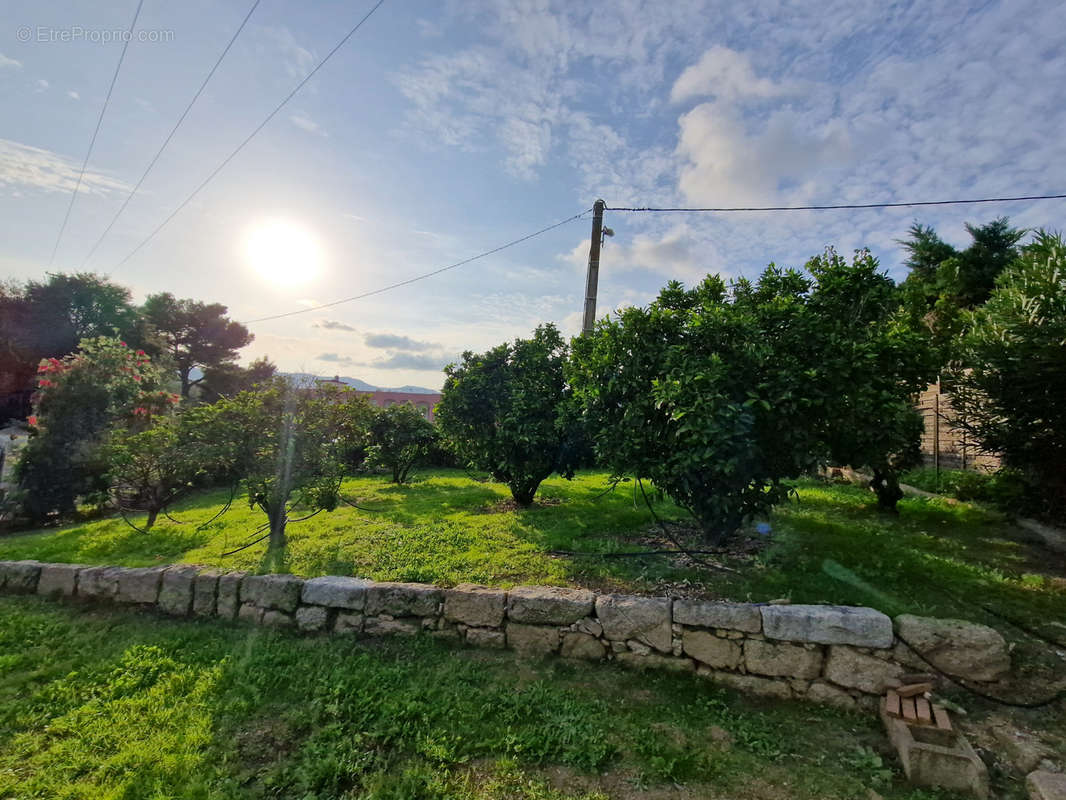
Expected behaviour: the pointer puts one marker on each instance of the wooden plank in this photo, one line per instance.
(921, 706)
(914, 689)
(943, 721)
(892, 704)
(909, 712)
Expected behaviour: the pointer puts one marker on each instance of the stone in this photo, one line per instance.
(749, 684)
(227, 600)
(98, 583)
(655, 661)
(205, 592)
(532, 640)
(336, 592)
(312, 618)
(784, 660)
(711, 614)
(851, 669)
(475, 605)
(277, 619)
(640, 648)
(139, 585)
(829, 695)
(348, 623)
(175, 594)
(959, 648)
(1046, 785)
(1022, 749)
(619, 647)
(278, 592)
(249, 612)
(486, 637)
(402, 599)
(711, 650)
(862, 627)
(646, 619)
(590, 626)
(20, 577)
(549, 605)
(386, 626)
(58, 580)
(582, 645)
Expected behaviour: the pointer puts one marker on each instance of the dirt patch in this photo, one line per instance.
(509, 505)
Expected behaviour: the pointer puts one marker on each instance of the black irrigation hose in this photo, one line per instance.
(634, 554)
(674, 541)
(122, 513)
(223, 510)
(362, 508)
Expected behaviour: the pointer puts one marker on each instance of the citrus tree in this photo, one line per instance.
(399, 439)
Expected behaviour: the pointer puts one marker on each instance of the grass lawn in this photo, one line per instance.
(938, 557)
(112, 704)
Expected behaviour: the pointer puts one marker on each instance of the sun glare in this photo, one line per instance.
(283, 252)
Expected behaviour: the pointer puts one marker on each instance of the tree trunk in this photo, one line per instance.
(152, 514)
(885, 484)
(523, 495)
(185, 384)
(277, 518)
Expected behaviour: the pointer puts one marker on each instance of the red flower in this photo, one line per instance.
(140, 352)
(137, 377)
(123, 344)
(32, 419)
(44, 382)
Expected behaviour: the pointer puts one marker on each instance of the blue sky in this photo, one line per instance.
(446, 128)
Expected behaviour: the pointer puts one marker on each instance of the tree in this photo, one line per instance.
(1010, 382)
(226, 380)
(78, 399)
(504, 411)
(194, 334)
(149, 468)
(399, 439)
(283, 442)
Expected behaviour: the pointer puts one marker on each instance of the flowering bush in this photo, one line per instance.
(77, 399)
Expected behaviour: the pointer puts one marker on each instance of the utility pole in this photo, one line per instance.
(593, 279)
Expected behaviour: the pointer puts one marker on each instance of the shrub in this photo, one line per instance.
(400, 438)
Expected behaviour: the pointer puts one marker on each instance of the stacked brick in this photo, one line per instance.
(838, 655)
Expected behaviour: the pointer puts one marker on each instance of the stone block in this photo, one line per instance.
(475, 605)
(205, 592)
(590, 626)
(655, 661)
(749, 684)
(249, 612)
(829, 695)
(582, 645)
(175, 593)
(1022, 749)
(58, 580)
(228, 598)
(861, 627)
(348, 623)
(646, 619)
(336, 592)
(386, 626)
(532, 640)
(312, 618)
(712, 614)
(402, 599)
(549, 605)
(782, 660)
(139, 585)
(278, 592)
(711, 650)
(854, 670)
(98, 583)
(486, 637)
(1045, 785)
(273, 618)
(20, 577)
(961, 649)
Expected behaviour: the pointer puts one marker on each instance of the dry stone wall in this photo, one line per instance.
(837, 655)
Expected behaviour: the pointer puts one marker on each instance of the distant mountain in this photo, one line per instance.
(355, 383)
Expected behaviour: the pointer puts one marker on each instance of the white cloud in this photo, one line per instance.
(304, 122)
(9, 62)
(332, 325)
(335, 358)
(73, 95)
(42, 85)
(727, 75)
(297, 59)
(36, 168)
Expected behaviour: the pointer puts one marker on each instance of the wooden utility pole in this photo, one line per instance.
(593, 278)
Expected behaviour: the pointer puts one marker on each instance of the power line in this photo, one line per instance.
(423, 276)
(173, 130)
(251, 135)
(96, 130)
(850, 205)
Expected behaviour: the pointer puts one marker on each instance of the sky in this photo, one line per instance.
(443, 129)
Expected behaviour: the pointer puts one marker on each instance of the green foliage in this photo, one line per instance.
(227, 379)
(78, 399)
(399, 438)
(195, 334)
(1011, 380)
(504, 411)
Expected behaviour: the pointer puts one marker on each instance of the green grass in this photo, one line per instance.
(112, 704)
(938, 557)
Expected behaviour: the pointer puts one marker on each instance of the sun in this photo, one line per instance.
(283, 252)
